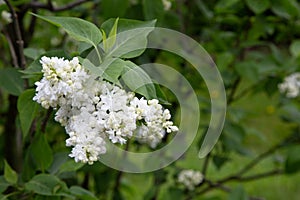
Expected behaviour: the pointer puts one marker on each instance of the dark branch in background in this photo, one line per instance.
(205, 164)
(19, 41)
(233, 90)
(246, 91)
(49, 5)
(259, 158)
(11, 49)
(119, 174)
(45, 120)
(223, 188)
(261, 175)
(31, 28)
(238, 176)
(12, 135)
(220, 184)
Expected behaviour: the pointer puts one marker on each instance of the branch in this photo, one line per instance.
(246, 91)
(119, 174)
(11, 49)
(45, 120)
(213, 185)
(239, 175)
(49, 5)
(249, 166)
(233, 90)
(259, 158)
(290, 139)
(220, 184)
(261, 175)
(205, 164)
(17, 30)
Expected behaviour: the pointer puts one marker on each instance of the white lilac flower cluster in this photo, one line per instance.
(92, 110)
(190, 178)
(291, 85)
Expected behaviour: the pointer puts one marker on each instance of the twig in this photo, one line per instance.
(120, 173)
(220, 184)
(249, 166)
(19, 40)
(259, 158)
(11, 49)
(45, 120)
(49, 5)
(212, 185)
(205, 164)
(261, 175)
(233, 90)
(288, 140)
(246, 91)
(31, 28)
(239, 175)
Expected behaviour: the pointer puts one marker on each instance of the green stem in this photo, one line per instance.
(98, 53)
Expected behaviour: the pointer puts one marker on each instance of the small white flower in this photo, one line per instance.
(2, 2)
(190, 178)
(291, 85)
(6, 16)
(167, 4)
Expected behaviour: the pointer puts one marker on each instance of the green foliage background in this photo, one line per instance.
(255, 44)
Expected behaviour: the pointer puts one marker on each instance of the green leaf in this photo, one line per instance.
(160, 95)
(233, 138)
(110, 69)
(131, 40)
(9, 174)
(295, 48)
(286, 8)
(135, 78)
(3, 184)
(271, 85)
(258, 6)
(238, 193)
(11, 81)
(291, 113)
(27, 109)
(82, 193)
(42, 197)
(222, 5)
(292, 163)
(138, 80)
(70, 166)
(224, 60)
(3, 197)
(153, 9)
(41, 151)
(46, 184)
(114, 8)
(111, 40)
(62, 163)
(33, 53)
(248, 70)
(170, 193)
(58, 159)
(220, 160)
(77, 28)
(113, 69)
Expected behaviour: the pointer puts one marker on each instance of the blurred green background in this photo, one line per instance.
(254, 43)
